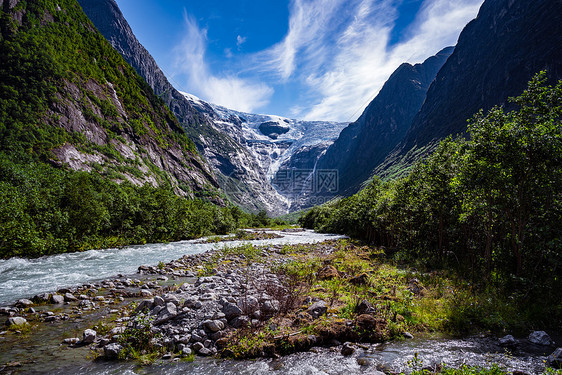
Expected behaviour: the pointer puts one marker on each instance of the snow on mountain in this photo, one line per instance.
(272, 140)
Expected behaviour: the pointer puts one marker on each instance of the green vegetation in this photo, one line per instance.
(44, 211)
(369, 298)
(138, 341)
(488, 207)
(59, 79)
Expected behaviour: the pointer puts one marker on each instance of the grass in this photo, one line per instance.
(400, 299)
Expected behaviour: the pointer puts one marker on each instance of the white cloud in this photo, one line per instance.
(240, 40)
(363, 60)
(227, 90)
(335, 56)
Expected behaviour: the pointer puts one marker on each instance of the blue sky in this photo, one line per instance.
(306, 59)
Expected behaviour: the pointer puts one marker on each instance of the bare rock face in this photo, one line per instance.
(497, 54)
(365, 143)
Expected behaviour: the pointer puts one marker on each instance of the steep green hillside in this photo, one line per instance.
(89, 156)
(69, 98)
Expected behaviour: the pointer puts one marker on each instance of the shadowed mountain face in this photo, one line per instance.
(496, 55)
(365, 143)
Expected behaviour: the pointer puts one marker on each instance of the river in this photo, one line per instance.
(42, 352)
(23, 278)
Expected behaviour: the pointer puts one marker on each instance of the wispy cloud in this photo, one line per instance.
(228, 90)
(336, 52)
(362, 60)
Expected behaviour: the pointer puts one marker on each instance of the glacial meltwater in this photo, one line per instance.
(24, 278)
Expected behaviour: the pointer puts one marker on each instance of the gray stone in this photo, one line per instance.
(23, 303)
(270, 307)
(167, 313)
(159, 301)
(89, 336)
(347, 349)
(317, 309)
(231, 310)
(57, 299)
(184, 339)
(145, 293)
(193, 303)
(70, 297)
(248, 304)
(508, 341)
(213, 325)
(111, 351)
(198, 346)
(117, 331)
(555, 359)
(240, 321)
(145, 304)
(171, 298)
(540, 338)
(16, 321)
(71, 341)
(205, 352)
(407, 335)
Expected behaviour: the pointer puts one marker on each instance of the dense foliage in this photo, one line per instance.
(44, 210)
(56, 65)
(490, 206)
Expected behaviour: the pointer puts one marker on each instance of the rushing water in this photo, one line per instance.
(21, 278)
(395, 356)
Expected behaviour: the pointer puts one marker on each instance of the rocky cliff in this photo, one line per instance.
(277, 145)
(365, 143)
(496, 55)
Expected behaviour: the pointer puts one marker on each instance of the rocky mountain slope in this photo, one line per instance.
(238, 172)
(69, 99)
(365, 143)
(278, 145)
(496, 55)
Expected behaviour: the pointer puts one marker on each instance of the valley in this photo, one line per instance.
(146, 229)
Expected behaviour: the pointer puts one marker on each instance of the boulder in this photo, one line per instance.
(42, 298)
(214, 325)
(144, 305)
(167, 313)
(240, 321)
(508, 341)
(71, 341)
(23, 303)
(89, 336)
(248, 304)
(555, 359)
(111, 351)
(69, 297)
(317, 309)
(328, 272)
(347, 349)
(159, 301)
(16, 321)
(540, 338)
(57, 299)
(231, 310)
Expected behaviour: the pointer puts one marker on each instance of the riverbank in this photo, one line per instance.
(248, 301)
